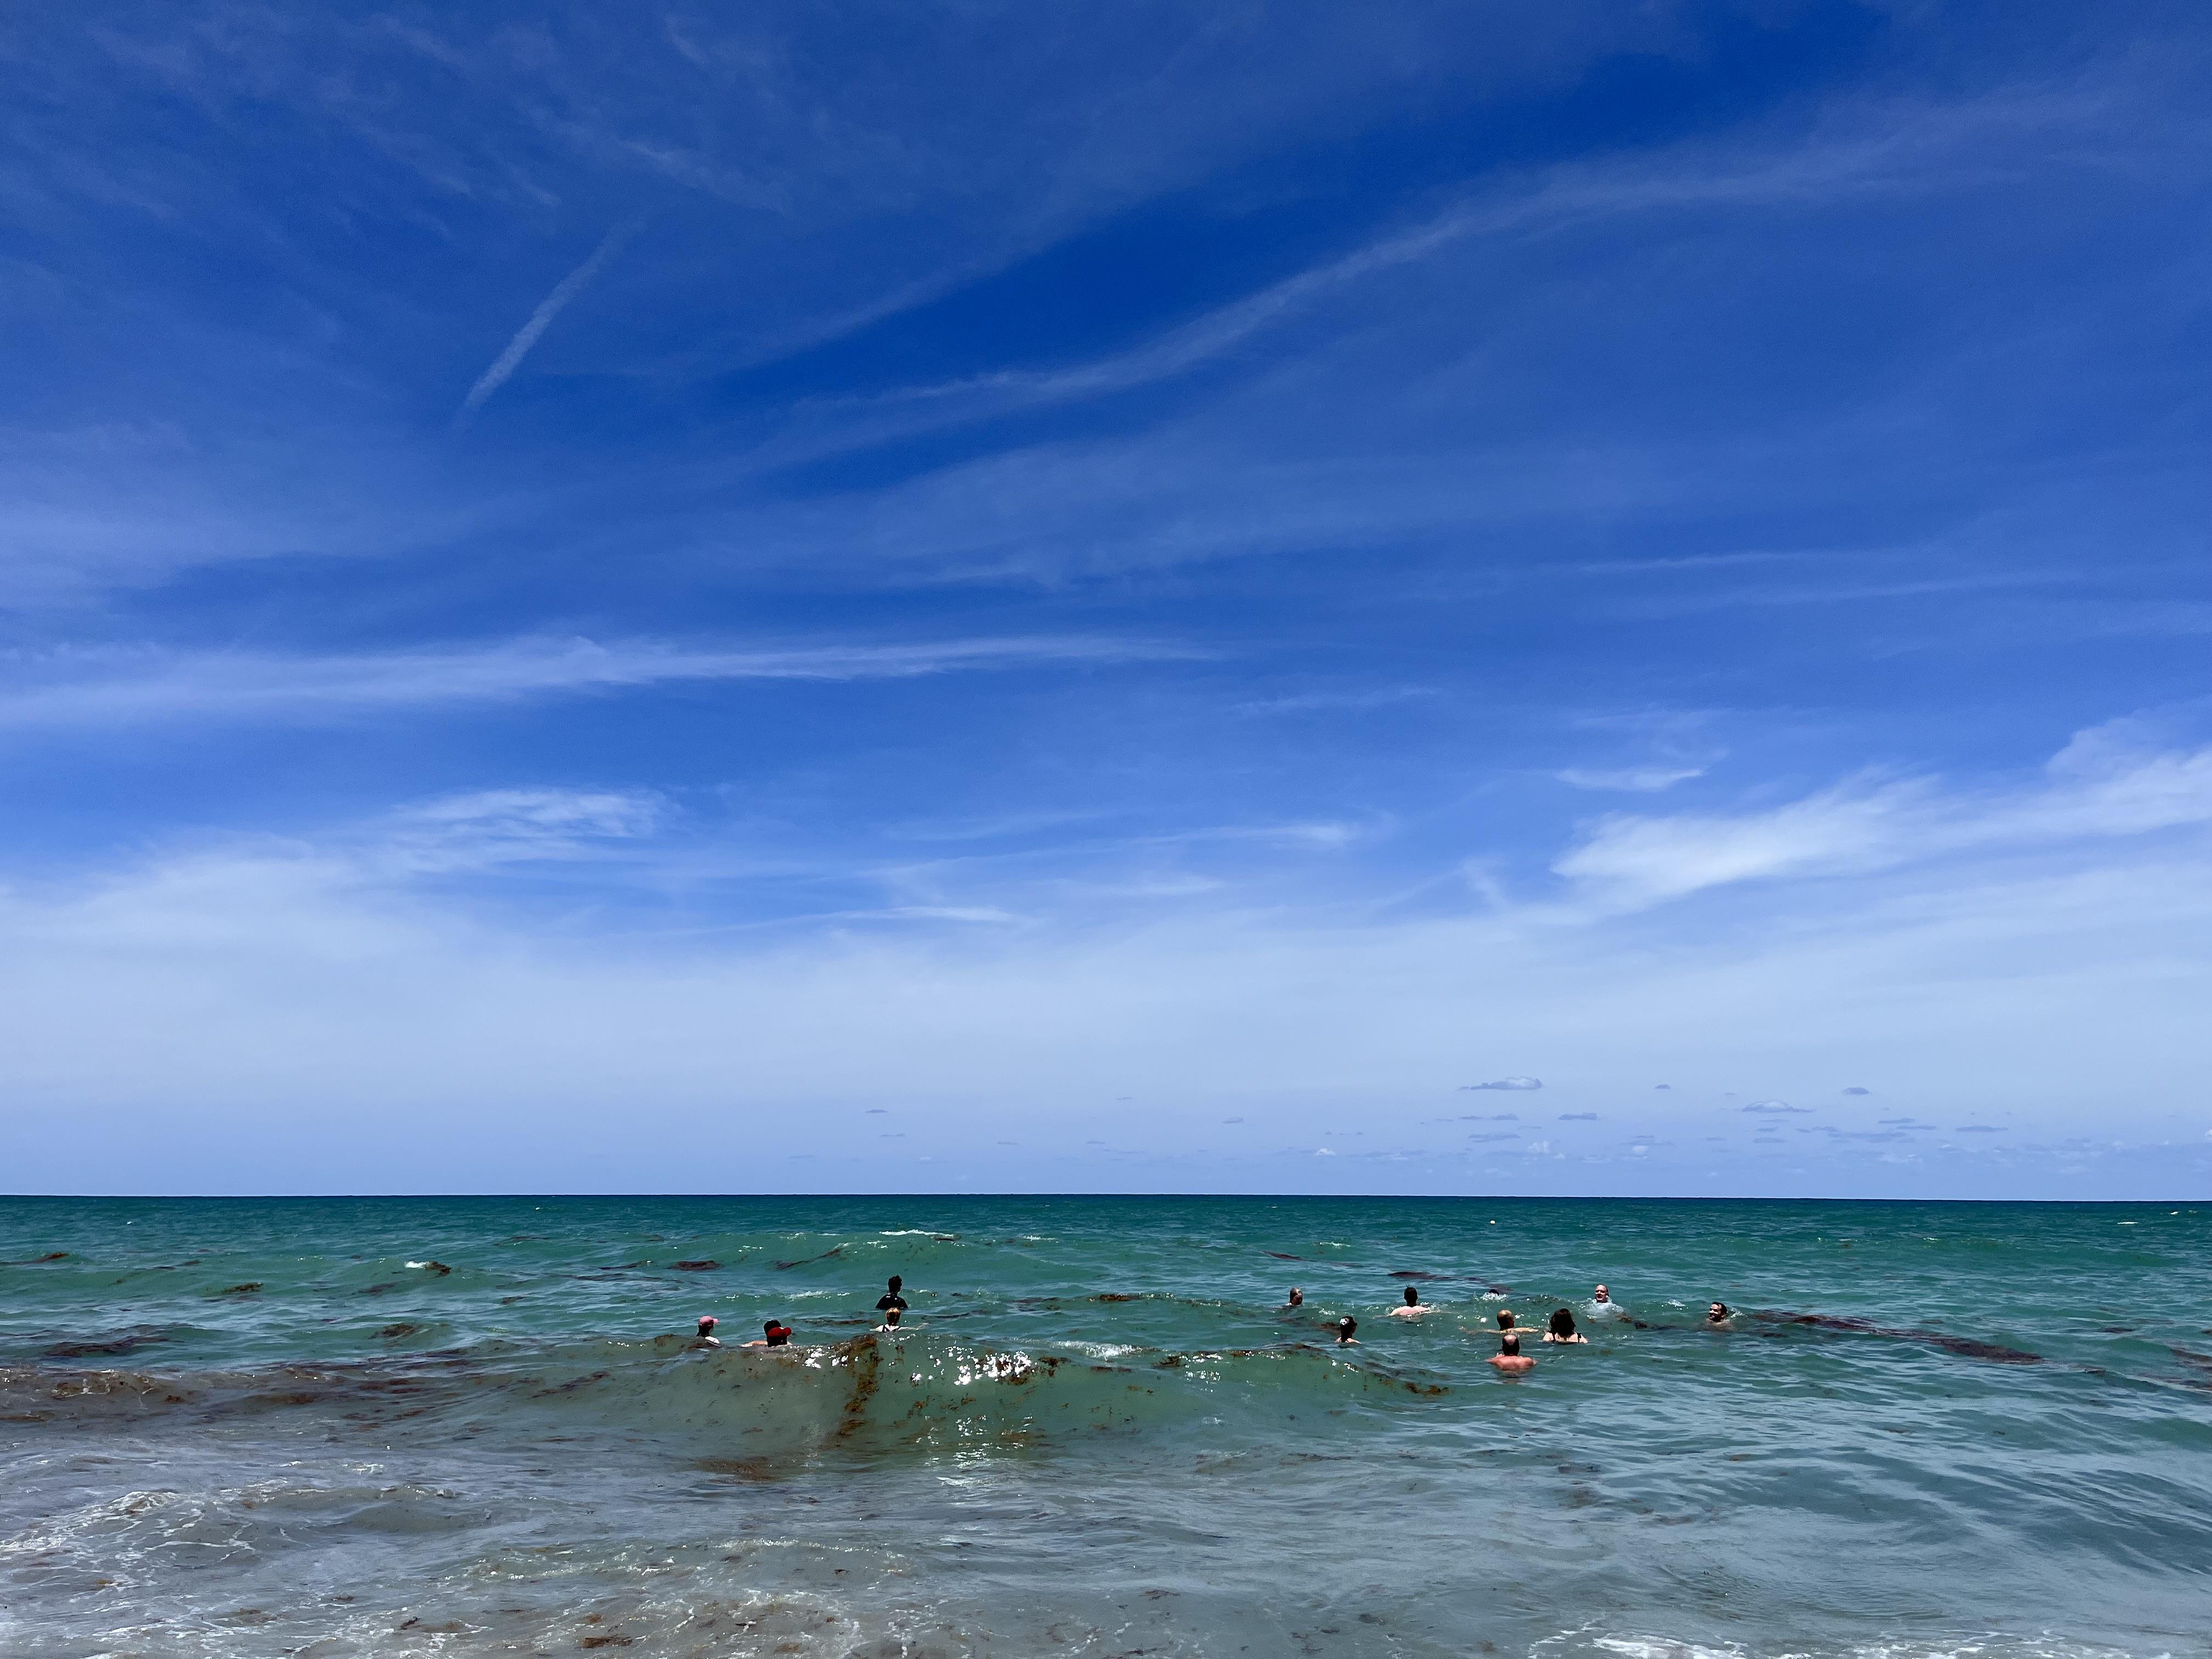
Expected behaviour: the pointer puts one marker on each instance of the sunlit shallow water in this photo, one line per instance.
(475, 1427)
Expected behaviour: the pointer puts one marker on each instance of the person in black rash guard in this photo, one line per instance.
(892, 1298)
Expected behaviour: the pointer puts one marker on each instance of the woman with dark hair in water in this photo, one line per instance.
(1563, 1328)
(1344, 1327)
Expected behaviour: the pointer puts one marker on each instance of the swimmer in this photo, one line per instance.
(892, 1298)
(1719, 1316)
(1344, 1327)
(891, 1320)
(1563, 1328)
(1414, 1307)
(1601, 1298)
(1505, 1324)
(775, 1334)
(707, 1339)
(1297, 1298)
(1509, 1358)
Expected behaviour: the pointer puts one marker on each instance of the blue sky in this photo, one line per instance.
(891, 598)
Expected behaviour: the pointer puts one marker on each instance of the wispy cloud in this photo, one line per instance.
(1641, 780)
(2108, 781)
(550, 306)
(1316, 703)
(485, 829)
(118, 687)
(1918, 149)
(1508, 1083)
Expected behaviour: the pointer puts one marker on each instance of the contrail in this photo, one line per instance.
(542, 318)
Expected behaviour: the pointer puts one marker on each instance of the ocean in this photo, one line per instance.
(474, 1426)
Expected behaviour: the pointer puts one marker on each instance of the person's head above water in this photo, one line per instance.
(1600, 1295)
(1413, 1297)
(897, 1281)
(1297, 1298)
(707, 1324)
(1344, 1327)
(1510, 1343)
(1562, 1323)
(778, 1334)
(891, 1315)
(1716, 1313)
(1505, 1319)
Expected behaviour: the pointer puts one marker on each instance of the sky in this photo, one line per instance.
(1590, 599)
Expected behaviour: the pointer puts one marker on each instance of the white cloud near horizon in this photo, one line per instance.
(362, 970)
(120, 687)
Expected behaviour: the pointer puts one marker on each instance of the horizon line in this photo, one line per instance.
(1422, 1198)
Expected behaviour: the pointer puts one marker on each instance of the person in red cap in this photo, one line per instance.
(775, 1334)
(707, 1339)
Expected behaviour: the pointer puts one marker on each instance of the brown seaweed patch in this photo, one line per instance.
(1970, 1348)
(36, 1260)
(740, 1468)
(121, 1342)
(702, 1265)
(866, 1362)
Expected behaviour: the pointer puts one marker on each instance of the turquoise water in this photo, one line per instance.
(447, 1426)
